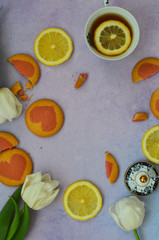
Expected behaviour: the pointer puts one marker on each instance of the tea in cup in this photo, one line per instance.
(112, 33)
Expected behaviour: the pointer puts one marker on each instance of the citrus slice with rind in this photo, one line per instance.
(150, 144)
(53, 46)
(112, 37)
(82, 200)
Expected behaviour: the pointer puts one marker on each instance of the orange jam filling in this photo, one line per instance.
(157, 105)
(15, 169)
(147, 70)
(5, 144)
(46, 115)
(25, 68)
(109, 167)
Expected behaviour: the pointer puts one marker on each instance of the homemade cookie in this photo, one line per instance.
(44, 118)
(15, 165)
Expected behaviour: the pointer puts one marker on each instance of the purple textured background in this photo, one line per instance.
(97, 116)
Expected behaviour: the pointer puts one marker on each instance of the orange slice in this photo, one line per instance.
(15, 165)
(145, 68)
(7, 141)
(26, 66)
(112, 169)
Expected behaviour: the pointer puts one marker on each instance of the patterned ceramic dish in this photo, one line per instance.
(141, 178)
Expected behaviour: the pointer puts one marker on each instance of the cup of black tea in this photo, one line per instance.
(112, 33)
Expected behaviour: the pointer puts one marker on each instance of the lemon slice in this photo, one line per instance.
(150, 144)
(82, 200)
(112, 37)
(53, 46)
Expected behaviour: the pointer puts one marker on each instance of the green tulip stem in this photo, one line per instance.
(136, 234)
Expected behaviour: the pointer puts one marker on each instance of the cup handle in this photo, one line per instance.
(106, 3)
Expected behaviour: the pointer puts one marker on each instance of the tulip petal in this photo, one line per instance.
(10, 107)
(54, 184)
(31, 194)
(2, 119)
(137, 201)
(31, 179)
(46, 177)
(45, 202)
(115, 217)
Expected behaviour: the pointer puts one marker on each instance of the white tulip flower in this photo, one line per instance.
(39, 191)
(10, 107)
(128, 213)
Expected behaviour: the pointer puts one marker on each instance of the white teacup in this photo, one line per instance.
(117, 11)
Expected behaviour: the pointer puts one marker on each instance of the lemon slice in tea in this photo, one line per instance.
(53, 46)
(82, 200)
(112, 37)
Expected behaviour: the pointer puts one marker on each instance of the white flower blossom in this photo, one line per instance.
(128, 213)
(39, 191)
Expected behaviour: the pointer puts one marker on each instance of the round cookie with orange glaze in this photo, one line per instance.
(15, 165)
(44, 118)
(154, 103)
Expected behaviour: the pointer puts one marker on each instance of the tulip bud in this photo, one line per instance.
(39, 191)
(128, 213)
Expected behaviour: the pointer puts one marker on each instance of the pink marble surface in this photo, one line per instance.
(97, 116)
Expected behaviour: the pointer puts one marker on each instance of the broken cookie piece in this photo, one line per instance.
(145, 68)
(112, 169)
(140, 117)
(26, 66)
(82, 77)
(7, 141)
(16, 88)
